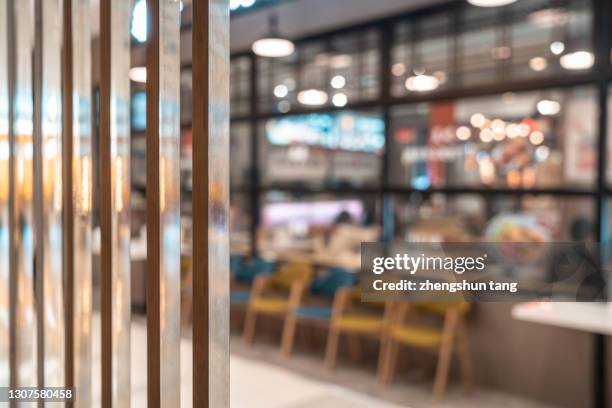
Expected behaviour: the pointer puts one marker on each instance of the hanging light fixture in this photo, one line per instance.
(577, 60)
(312, 97)
(490, 3)
(272, 45)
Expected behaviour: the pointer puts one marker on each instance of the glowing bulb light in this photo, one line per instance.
(312, 97)
(490, 3)
(422, 83)
(273, 47)
(577, 60)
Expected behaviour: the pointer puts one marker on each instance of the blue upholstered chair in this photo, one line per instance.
(325, 286)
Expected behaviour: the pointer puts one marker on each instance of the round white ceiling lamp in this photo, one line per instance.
(490, 3)
(338, 82)
(422, 83)
(272, 45)
(548, 107)
(577, 60)
(557, 47)
(281, 90)
(138, 74)
(339, 100)
(312, 97)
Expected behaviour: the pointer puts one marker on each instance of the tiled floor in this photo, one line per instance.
(260, 378)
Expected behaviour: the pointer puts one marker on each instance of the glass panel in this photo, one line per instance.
(240, 73)
(4, 200)
(169, 203)
(48, 192)
(240, 223)
(120, 200)
(240, 152)
(525, 40)
(472, 217)
(541, 139)
(337, 71)
(82, 173)
(322, 149)
(22, 173)
(318, 224)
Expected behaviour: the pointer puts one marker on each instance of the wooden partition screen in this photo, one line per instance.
(65, 205)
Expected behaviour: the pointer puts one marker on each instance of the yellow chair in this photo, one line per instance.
(443, 338)
(346, 320)
(276, 294)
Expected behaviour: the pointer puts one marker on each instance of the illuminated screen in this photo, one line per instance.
(139, 111)
(344, 130)
(311, 213)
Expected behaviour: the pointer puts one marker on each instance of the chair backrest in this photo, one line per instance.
(253, 268)
(291, 272)
(334, 279)
(236, 263)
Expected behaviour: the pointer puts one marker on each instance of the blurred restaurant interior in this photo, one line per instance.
(350, 121)
(421, 121)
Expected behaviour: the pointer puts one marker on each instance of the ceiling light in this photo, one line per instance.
(490, 3)
(280, 91)
(542, 153)
(339, 100)
(536, 137)
(138, 27)
(557, 47)
(486, 135)
(398, 69)
(338, 82)
(478, 120)
(312, 97)
(548, 107)
(463, 133)
(422, 83)
(538, 64)
(498, 126)
(138, 74)
(273, 45)
(578, 60)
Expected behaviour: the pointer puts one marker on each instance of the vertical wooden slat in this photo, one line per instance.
(68, 226)
(163, 203)
(115, 202)
(106, 297)
(210, 48)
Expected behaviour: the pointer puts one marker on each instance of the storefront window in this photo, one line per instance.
(338, 149)
(540, 139)
(310, 223)
(240, 223)
(240, 152)
(478, 218)
(333, 72)
(239, 86)
(481, 46)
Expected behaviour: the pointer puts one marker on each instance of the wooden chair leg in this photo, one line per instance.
(382, 359)
(392, 352)
(444, 359)
(354, 347)
(249, 326)
(288, 335)
(331, 350)
(465, 360)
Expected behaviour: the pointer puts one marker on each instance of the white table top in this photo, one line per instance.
(587, 317)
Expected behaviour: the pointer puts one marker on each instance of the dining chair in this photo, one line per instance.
(276, 294)
(447, 335)
(324, 286)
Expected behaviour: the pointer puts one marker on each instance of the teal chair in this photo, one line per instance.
(324, 286)
(245, 273)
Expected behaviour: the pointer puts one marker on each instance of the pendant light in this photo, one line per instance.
(490, 3)
(272, 45)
